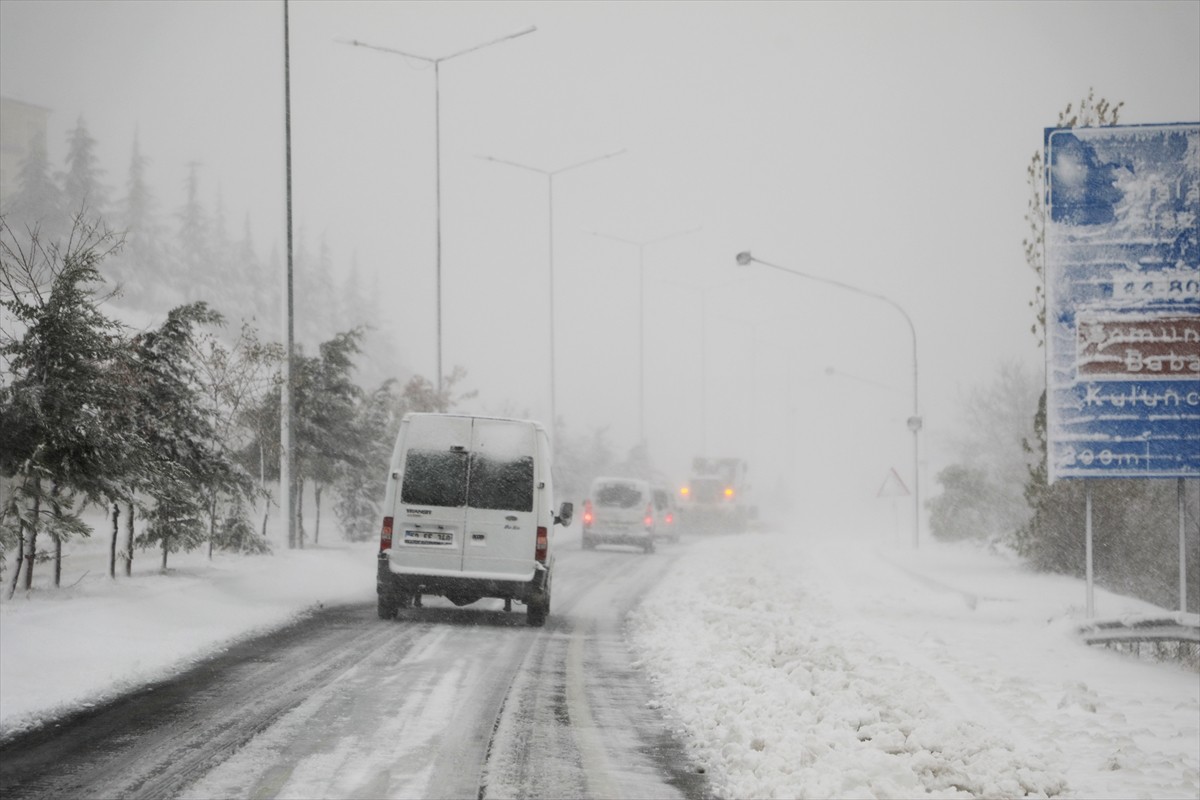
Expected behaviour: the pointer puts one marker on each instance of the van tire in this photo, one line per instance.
(536, 611)
(649, 548)
(588, 544)
(387, 607)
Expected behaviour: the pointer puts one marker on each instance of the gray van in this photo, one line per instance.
(468, 513)
(619, 511)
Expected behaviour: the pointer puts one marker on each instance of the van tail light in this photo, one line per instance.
(385, 535)
(670, 518)
(588, 516)
(543, 544)
(649, 517)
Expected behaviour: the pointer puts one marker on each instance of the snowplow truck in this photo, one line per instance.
(715, 497)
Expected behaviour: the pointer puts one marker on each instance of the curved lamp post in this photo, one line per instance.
(437, 136)
(914, 422)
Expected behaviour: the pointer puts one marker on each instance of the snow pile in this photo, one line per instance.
(86, 643)
(814, 668)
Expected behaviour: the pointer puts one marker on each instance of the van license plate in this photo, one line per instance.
(428, 537)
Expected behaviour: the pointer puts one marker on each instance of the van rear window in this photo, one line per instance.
(618, 495)
(501, 484)
(435, 478)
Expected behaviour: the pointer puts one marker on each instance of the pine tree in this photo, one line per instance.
(37, 204)
(58, 431)
(193, 242)
(145, 260)
(180, 432)
(83, 192)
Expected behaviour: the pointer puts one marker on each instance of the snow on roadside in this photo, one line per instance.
(814, 667)
(80, 645)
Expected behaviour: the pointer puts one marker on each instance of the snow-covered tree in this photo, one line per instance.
(37, 204)
(232, 378)
(187, 466)
(83, 191)
(58, 435)
(144, 263)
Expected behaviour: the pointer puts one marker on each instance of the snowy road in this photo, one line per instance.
(445, 702)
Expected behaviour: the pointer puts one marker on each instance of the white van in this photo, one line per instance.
(619, 511)
(469, 514)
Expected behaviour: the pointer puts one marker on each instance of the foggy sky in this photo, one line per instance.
(882, 145)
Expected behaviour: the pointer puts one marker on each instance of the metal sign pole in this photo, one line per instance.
(1091, 595)
(1182, 552)
(286, 452)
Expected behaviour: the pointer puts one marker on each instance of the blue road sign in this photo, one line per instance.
(1123, 301)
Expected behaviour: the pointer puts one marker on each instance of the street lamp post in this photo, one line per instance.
(641, 245)
(550, 175)
(437, 135)
(914, 422)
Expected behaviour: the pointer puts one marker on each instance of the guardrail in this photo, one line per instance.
(1175, 627)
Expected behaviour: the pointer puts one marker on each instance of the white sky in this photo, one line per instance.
(883, 145)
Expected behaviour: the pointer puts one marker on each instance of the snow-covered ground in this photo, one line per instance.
(841, 666)
(96, 637)
(794, 665)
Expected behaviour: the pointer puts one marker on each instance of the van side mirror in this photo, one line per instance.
(565, 514)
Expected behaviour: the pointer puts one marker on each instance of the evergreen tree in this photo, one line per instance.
(58, 435)
(37, 204)
(144, 262)
(193, 242)
(180, 432)
(83, 191)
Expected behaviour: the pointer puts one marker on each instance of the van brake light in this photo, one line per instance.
(649, 518)
(588, 517)
(543, 544)
(385, 535)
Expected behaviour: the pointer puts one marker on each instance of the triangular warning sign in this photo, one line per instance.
(892, 486)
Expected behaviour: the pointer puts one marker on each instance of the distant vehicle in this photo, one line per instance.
(619, 511)
(715, 497)
(666, 514)
(468, 513)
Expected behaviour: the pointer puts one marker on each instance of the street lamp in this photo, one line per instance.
(914, 422)
(703, 292)
(641, 246)
(550, 174)
(437, 135)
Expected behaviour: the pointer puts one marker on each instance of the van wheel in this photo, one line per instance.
(649, 547)
(387, 607)
(588, 544)
(538, 607)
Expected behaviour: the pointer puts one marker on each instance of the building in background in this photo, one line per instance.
(20, 125)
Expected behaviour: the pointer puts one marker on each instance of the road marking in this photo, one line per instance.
(592, 753)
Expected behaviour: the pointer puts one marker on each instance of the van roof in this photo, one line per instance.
(533, 422)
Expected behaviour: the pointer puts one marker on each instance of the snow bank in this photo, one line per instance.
(801, 667)
(77, 646)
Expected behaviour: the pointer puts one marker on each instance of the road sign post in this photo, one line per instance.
(1123, 304)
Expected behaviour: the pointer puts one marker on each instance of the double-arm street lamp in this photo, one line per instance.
(914, 422)
(437, 135)
(641, 245)
(550, 175)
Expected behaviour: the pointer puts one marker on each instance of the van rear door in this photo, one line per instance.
(431, 510)
(501, 520)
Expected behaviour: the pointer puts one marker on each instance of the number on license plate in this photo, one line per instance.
(428, 537)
